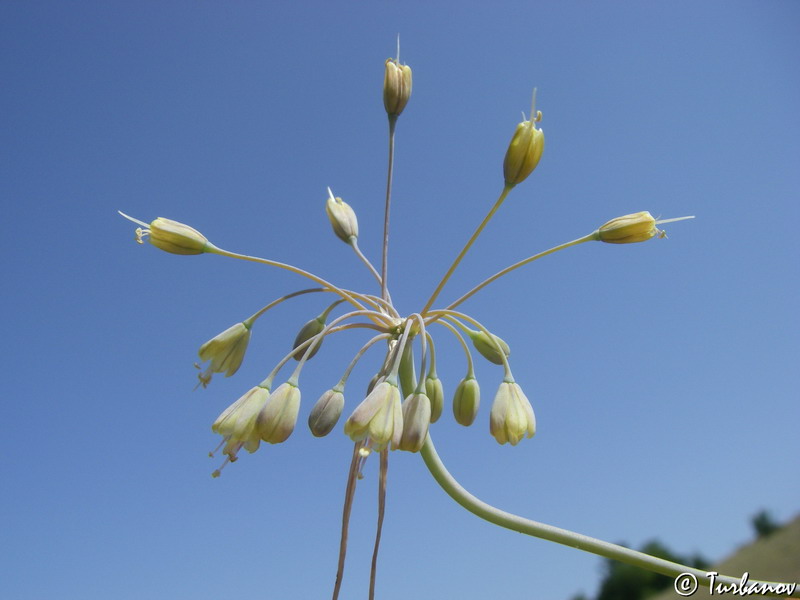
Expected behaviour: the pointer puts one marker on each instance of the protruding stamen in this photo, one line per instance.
(137, 221)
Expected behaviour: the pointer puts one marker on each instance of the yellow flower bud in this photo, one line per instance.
(525, 149)
(416, 420)
(171, 236)
(237, 424)
(276, 420)
(636, 227)
(488, 348)
(342, 217)
(396, 87)
(326, 413)
(511, 417)
(466, 401)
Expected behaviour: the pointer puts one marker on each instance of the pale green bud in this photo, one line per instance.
(396, 87)
(326, 413)
(379, 417)
(525, 149)
(434, 391)
(342, 217)
(416, 420)
(466, 401)
(511, 417)
(309, 330)
(407, 372)
(488, 348)
(277, 419)
(225, 351)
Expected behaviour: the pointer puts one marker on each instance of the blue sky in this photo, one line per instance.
(664, 375)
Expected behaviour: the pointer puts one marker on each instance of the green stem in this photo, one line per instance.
(390, 171)
(519, 264)
(466, 247)
(513, 522)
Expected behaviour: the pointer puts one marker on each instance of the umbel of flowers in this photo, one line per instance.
(405, 396)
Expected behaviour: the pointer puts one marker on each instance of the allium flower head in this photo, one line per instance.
(342, 217)
(525, 149)
(512, 416)
(237, 424)
(396, 87)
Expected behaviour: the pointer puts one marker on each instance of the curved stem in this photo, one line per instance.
(384, 469)
(293, 269)
(365, 260)
(252, 319)
(519, 264)
(514, 522)
(390, 171)
(350, 490)
(466, 247)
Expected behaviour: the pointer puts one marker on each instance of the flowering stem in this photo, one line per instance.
(499, 274)
(390, 170)
(467, 246)
(252, 319)
(350, 490)
(384, 469)
(514, 522)
(365, 260)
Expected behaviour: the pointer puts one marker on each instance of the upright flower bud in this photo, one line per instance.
(525, 149)
(326, 413)
(396, 87)
(489, 348)
(512, 417)
(636, 227)
(225, 351)
(416, 420)
(276, 420)
(171, 236)
(342, 217)
(466, 401)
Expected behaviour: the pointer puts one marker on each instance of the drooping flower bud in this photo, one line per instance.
(416, 420)
(237, 424)
(466, 401)
(225, 351)
(277, 419)
(309, 330)
(525, 149)
(342, 217)
(629, 229)
(489, 349)
(435, 392)
(326, 413)
(511, 417)
(396, 87)
(379, 417)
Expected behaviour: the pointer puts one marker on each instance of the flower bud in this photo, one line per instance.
(637, 227)
(326, 413)
(466, 401)
(379, 417)
(396, 87)
(511, 417)
(225, 351)
(276, 420)
(484, 344)
(525, 149)
(416, 420)
(237, 423)
(309, 330)
(435, 392)
(171, 236)
(342, 217)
